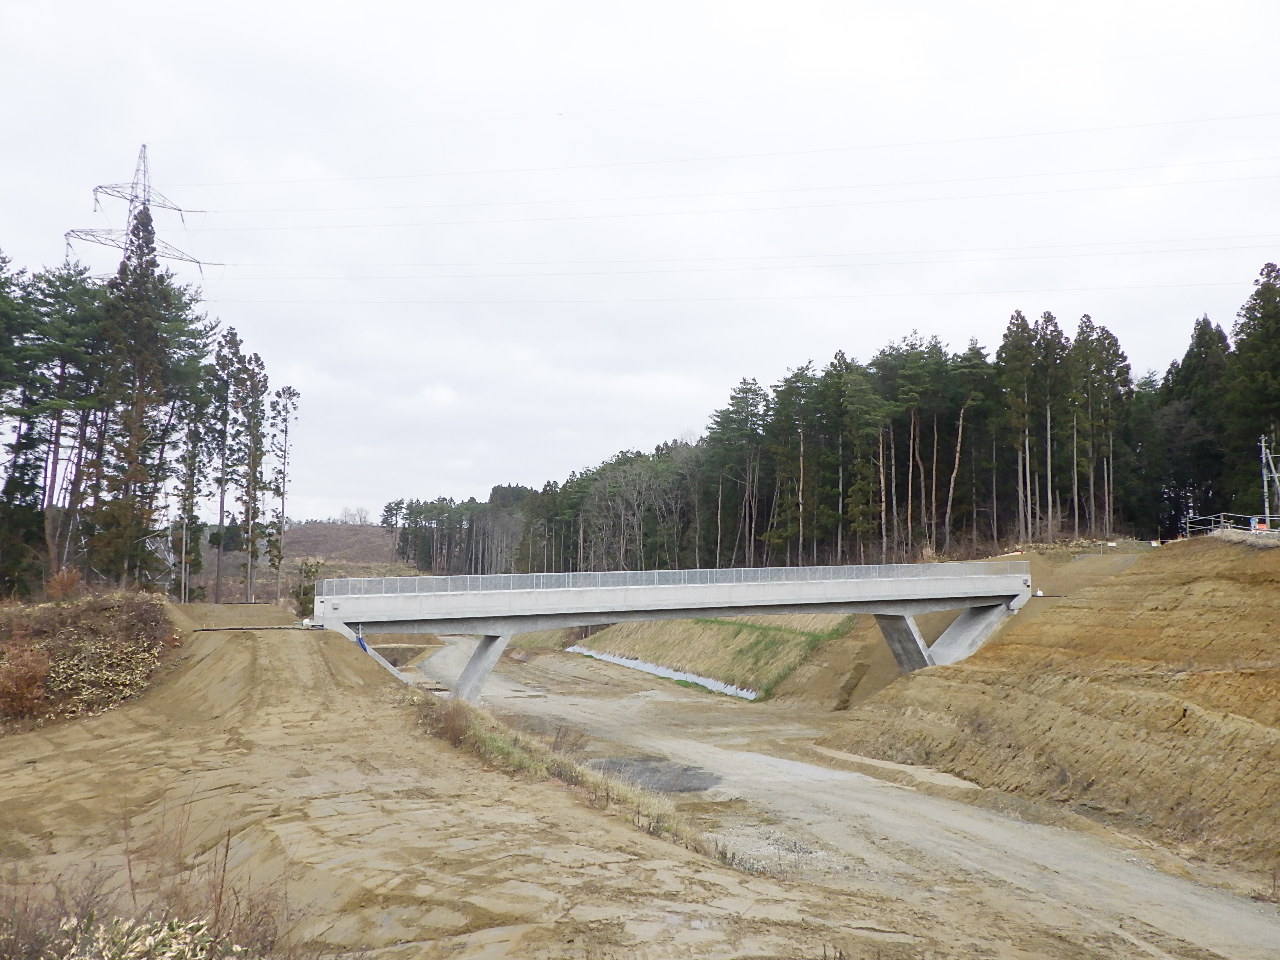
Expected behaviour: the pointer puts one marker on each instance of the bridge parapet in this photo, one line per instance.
(467, 583)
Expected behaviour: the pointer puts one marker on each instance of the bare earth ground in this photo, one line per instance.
(987, 884)
(1148, 699)
(304, 754)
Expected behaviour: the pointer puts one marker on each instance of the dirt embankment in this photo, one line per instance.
(297, 758)
(1149, 700)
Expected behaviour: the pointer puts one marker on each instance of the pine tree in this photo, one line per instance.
(1254, 399)
(734, 440)
(20, 494)
(283, 415)
(1016, 374)
(224, 425)
(155, 348)
(1190, 424)
(250, 449)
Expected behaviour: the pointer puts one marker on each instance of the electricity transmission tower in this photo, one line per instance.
(139, 194)
(1270, 480)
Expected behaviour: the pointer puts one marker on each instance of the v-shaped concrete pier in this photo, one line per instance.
(497, 607)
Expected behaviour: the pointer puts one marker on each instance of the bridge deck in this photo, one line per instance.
(499, 606)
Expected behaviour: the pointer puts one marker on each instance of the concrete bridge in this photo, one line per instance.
(497, 607)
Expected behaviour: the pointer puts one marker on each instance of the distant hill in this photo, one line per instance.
(344, 549)
(359, 543)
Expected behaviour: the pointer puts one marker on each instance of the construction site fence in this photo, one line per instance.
(1231, 521)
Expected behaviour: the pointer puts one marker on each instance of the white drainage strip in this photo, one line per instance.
(660, 671)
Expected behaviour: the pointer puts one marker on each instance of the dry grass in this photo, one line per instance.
(78, 657)
(162, 907)
(31, 912)
(66, 584)
(24, 671)
(469, 728)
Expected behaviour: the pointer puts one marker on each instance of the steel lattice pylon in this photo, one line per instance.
(138, 193)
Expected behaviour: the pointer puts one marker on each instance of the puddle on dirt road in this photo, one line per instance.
(657, 774)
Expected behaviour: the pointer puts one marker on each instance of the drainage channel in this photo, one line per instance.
(658, 670)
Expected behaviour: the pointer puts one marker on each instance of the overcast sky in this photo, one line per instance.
(499, 242)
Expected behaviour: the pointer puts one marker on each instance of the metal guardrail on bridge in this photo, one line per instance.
(386, 586)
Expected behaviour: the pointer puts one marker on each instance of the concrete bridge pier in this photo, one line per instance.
(965, 635)
(904, 640)
(486, 656)
(968, 632)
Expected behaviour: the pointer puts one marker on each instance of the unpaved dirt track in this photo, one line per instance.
(1057, 892)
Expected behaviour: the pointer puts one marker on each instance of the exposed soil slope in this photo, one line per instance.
(831, 661)
(1150, 700)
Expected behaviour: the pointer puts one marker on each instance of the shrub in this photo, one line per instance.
(117, 939)
(24, 672)
(66, 584)
(79, 657)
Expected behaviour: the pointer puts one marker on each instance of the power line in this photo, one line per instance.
(740, 193)
(732, 210)
(1269, 237)
(814, 151)
(588, 301)
(751, 268)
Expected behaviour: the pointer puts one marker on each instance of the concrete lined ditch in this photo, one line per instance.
(657, 670)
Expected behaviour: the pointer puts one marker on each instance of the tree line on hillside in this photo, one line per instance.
(122, 410)
(917, 453)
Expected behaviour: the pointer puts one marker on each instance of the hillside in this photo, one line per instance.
(339, 544)
(1141, 691)
(333, 549)
(1149, 700)
(752, 653)
(288, 764)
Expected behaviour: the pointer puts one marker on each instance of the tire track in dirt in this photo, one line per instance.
(961, 863)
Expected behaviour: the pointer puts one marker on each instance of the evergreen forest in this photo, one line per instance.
(917, 453)
(123, 410)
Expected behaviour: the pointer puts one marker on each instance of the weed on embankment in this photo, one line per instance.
(159, 905)
(469, 728)
(770, 653)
